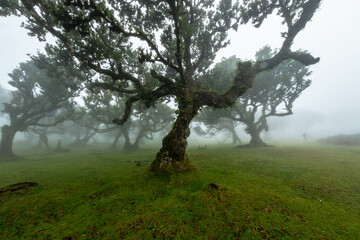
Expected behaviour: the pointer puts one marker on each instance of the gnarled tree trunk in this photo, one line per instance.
(172, 155)
(256, 141)
(43, 139)
(7, 138)
(76, 142)
(135, 145)
(87, 138)
(127, 145)
(82, 141)
(116, 139)
(236, 139)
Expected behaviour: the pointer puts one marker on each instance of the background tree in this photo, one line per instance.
(40, 93)
(181, 39)
(273, 94)
(211, 123)
(5, 97)
(143, 123)
(150, 121)
(46, 127)
(82, 126)
(102, 107)
(43, 137)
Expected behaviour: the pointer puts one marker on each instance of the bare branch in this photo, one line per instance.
(285, 53)
(147, 98)
(111, 87)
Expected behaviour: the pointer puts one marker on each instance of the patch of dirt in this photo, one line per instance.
(17, 187)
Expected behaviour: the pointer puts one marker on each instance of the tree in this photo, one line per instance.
(103, 106)
(5, 97)
(40, 93)
(273, 94)
(83, 126)
(43, 137)
(212, 122)
(215, 123)
(150, 121)
(180, 41)
(46, 126)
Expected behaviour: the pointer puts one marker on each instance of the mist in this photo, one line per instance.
(328, 107)
(179, 119)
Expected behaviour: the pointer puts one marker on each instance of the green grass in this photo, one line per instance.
(304, 192)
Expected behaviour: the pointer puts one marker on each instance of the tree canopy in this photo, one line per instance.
(178, 42)
(40, 93)
(273, 94)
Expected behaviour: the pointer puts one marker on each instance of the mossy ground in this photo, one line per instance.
(304, 192)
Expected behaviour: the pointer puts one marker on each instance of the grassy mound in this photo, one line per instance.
(350, 140)
(267, 193)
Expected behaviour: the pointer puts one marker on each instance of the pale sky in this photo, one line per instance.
(333, 35)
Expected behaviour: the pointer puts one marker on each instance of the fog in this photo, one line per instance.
(329, 106)
(180, 119)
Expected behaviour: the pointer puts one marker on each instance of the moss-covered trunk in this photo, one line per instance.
(7, 138)
(172, 155)
(256, 141)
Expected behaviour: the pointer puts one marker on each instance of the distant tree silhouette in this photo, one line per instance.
(272, 95)
(39, 93)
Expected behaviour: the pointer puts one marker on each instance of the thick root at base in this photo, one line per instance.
(263, 145)
(171, 167)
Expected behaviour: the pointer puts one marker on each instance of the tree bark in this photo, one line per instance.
(45, 140)
(86, 139)
(7, 138)
(39, 144)
(76, 142)
(236, 139)
(116, 140)
(140, 136)
(135, 145)
(82, 141)
(172, 155)
(127, 145)
(256, 141)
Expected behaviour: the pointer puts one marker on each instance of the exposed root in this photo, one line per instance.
(171, 167)
(17, 187)
(254, 145)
